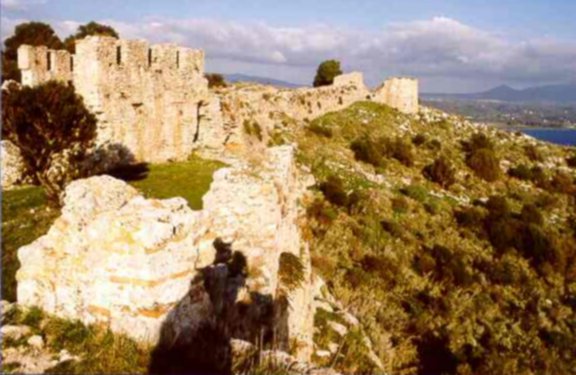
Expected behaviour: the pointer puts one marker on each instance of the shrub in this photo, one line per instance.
(365, 150)
(561, 183)
(400, 205)
(334, 192)
(403, 153)
(320, 130)
(53, 130)
(539, 177)
(215, 80)
(571, 161)
(440, 172)
(498, 207)
(485, 164)
(416, 192)
(521, 172)
(434, 145)
(533, 153)
(470, 217)
(252, 128)
(419, 139)
(326, 72)
(290, 271)
(531, 214)
(397, 149)
(477, 142)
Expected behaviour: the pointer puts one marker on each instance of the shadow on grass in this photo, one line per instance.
(131, 172)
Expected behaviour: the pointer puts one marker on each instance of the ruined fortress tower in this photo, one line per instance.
(153, 103)
(148, 99)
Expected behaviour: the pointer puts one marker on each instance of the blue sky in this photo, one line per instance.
(450, 45)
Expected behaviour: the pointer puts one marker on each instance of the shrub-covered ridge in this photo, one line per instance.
(454, 243)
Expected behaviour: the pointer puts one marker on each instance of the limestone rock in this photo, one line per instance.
(14, 332)
(36, 342)
(117, 258)
(12, 168)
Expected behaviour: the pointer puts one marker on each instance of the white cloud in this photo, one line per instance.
(437, 50)
(19, 4)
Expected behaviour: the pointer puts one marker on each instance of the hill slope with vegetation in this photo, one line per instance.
(455, 244)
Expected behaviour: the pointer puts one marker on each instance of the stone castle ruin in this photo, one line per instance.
(148, 99)
(153, 100)
(116, 258)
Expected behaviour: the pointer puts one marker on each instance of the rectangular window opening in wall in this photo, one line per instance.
(71, 64)
(118, 55)
(177, 59)
(48, 61)
(149, 56)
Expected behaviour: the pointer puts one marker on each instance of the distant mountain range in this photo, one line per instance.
(558, 94)
(232, 78)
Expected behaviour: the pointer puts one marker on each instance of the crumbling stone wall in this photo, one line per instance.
(117, 258)
(269, 108)
(40, 64)
(400, 93)
(149, 99)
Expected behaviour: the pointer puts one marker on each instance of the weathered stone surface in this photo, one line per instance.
(117, 258)
(149, 99)
(14, 332)
(400, 93)
(12, 168)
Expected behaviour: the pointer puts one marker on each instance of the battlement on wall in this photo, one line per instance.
(40, 64)
(120, 54)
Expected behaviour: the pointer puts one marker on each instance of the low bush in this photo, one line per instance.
(477, 142)
(531, 214)
(417, 192)
(485, 164)
(571, 161)
(434, 145)
(533, 153)
(419, 139)
(252, 128)
(321, 130)
(402, 151)
(333, 190)
(441, 172)
(400, 205)
(521, 172)
(366, 150)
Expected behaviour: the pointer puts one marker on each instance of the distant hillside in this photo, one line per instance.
(263, 80)
(558, 94)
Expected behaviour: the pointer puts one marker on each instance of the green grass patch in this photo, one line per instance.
(189, 179)
(25, 217)
(100, 350)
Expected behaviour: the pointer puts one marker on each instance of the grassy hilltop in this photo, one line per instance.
(454, 244)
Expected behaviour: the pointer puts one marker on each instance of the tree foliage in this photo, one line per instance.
(31, 33)
(52, 129)
(91, 28)
(215, 80)
(326, 73)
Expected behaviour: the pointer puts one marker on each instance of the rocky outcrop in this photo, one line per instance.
(12, 168)
(138, 264)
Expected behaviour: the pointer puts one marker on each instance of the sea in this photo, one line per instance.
(566, 137)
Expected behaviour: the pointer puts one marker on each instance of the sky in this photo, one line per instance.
(450, 45)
